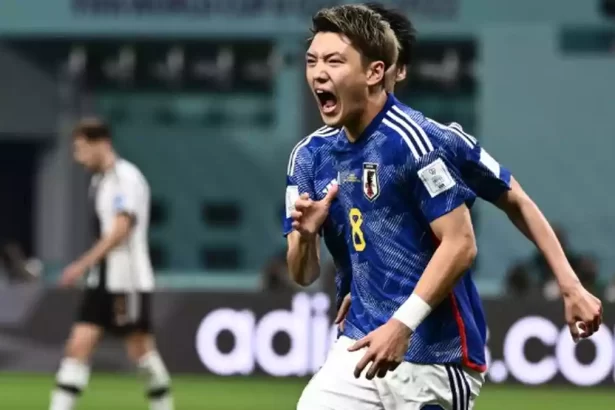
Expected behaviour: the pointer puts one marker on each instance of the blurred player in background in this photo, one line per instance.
(400, 184)
(495, 184)
(120, 281)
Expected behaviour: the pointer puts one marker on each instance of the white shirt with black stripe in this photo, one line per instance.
(127, 267)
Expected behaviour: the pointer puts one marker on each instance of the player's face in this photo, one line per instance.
(395, 74)
(86, 153)
(337, 76)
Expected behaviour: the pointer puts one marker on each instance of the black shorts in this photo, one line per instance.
(117, 313)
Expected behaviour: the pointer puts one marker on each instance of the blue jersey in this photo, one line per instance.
(310, 170)
(402, 174)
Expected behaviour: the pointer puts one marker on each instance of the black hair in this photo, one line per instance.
(402, 27)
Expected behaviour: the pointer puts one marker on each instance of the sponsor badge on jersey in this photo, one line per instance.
(371, 185)
(436, 177)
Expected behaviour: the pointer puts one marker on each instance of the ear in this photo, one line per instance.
(375, 73)
(402, 73)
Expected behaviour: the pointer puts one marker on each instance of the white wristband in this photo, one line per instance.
(412, 312)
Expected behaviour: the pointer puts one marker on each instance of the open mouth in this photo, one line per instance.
(327, 100)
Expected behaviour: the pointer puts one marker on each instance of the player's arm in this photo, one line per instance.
(442, 195)
(303, 258)
(303, 253)
(453, 257)
(529, 220)
(124, 205)
(122, 226)
(494, 183)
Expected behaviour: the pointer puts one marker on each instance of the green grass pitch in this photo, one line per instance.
(124, 392)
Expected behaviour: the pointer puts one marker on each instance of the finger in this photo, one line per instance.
(296, 215)
(575, 332)
(591, 327)
(375, 368)
(382, 371)
(360, 344)
(331, 194)
(365, 360)
(342, 325)
(296, 225)
(304, 195)
(597, 322)
(343, 310)
(303, 204)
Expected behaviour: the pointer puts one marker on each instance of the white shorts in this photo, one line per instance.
(409, 387)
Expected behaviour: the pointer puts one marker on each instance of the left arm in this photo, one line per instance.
(122, 226)
(125, 203)
(529, 220)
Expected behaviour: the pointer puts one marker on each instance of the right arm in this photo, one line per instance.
(303, 258)
(303, 254)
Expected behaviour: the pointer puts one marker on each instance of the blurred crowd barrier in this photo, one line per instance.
(288, 335)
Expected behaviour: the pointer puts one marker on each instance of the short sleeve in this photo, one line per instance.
(481, 172)
(437, 185)
(299, 180)
(485, 175)
(127, 194)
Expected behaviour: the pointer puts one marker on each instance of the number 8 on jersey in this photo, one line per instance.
(356, 220)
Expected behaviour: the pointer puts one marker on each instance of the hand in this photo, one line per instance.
(583, 311)
(342, 312)
(309, 215)
(387, 347)
(72, 273)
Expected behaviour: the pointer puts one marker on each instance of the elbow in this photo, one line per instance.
(303, 281)
(298, 274)
(467, 251)
(471, 253)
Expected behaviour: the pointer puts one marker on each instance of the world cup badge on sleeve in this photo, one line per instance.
(371, 184)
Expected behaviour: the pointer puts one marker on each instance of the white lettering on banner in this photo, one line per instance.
(564, 361)
(240, 360)
(306, 325)
(586, 374)
(311, 333)
(514, 344)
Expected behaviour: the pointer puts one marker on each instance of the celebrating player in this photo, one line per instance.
(120, 280)
(481, 172)
(400, 182)
(495, 184)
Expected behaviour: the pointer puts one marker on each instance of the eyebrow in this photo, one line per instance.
(326, 56)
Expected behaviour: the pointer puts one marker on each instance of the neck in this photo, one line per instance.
(108, 160)
(375, 104)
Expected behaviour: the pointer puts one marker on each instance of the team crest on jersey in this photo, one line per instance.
(371, 184)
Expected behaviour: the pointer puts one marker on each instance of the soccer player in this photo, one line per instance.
(489, 180)
(120, 281)
(415, 309)
(495, 184)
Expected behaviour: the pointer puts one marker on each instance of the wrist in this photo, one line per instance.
(568, 284)
(412, 312)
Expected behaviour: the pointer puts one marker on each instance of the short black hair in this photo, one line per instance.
(366, 29)
(402, 27)
(92, 129)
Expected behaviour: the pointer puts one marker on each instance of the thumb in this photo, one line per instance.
(331, 194)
